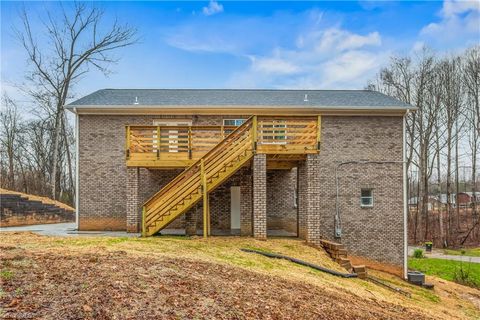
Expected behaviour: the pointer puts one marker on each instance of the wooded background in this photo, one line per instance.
(442, 137)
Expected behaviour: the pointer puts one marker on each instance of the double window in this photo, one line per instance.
(233, 122)
(366, 198)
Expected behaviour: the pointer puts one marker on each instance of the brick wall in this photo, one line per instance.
(102, 170)
(377, 232)
(281, 210)
(220, 204)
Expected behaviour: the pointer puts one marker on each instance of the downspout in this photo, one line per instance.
(77, 169)
(405, 201)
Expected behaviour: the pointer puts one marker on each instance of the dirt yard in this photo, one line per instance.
(181, 278)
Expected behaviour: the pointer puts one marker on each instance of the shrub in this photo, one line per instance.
(418, 253)
(462, 275)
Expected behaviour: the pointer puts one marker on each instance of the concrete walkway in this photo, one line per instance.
(69, 229)
(65, 229)
(438, 254)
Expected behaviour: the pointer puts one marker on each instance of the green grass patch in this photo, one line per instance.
(466, 273)
(6, 274)
(474, 252)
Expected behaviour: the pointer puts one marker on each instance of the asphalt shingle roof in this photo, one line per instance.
(364, 99)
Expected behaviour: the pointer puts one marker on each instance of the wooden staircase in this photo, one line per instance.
(202, 177)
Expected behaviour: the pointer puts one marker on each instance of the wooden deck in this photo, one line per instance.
(285, 139)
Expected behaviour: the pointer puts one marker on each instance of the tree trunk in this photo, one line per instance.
(457, 180)
(439, 191)
(69, 157)
(449, 187)
(56, 138)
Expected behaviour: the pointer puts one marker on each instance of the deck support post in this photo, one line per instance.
(319, 132)
(206, 207)
(158, 142)
(127, 143)
(190, 142)
(144, 230)
(254, 134)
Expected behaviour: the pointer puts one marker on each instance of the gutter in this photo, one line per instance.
(405, 198)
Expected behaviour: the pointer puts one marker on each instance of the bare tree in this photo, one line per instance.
(77, 41)
(471, 82)
(412, 81)
(449, 71)
(10, 131)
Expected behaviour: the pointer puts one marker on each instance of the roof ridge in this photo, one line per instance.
(235, 89)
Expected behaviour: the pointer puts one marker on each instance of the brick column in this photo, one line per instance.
(246, 203)
(260, 196)
(302, 199)
(133, 211)
(309, 220)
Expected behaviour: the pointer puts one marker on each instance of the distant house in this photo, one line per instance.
(433, 203)
(443, 199)
(466, 199)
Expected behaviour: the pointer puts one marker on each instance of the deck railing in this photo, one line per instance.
(181, 145)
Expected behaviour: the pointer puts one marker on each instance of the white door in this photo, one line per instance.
(235, 208)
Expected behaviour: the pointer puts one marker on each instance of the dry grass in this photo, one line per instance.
(178, 277)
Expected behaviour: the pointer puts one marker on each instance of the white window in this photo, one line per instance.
(366, 198)
(233, 122)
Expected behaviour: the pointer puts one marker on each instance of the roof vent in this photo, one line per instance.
(136, 100)
(306, 98)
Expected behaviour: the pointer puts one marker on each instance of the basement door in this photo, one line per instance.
(235, 207)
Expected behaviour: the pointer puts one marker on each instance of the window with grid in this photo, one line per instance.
(233, 122)
(366, 198)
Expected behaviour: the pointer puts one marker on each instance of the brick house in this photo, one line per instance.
(315, 164)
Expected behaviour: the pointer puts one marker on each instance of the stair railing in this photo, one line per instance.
(190, 182)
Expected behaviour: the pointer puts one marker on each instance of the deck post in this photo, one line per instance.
(206, 213)
(254, 134)
(144, 230)
(319, 132)
(127, 142)
(158, 142)
(189, 142)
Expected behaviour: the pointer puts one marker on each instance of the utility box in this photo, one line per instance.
(416, 277)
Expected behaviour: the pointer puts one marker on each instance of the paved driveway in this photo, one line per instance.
(66, 229)
(438, 254)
